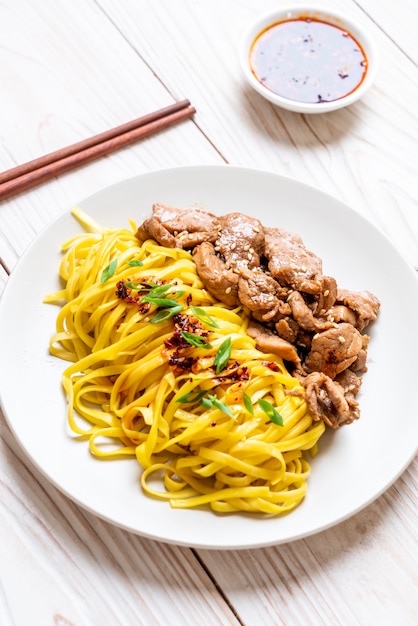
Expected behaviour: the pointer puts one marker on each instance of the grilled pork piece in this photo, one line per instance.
(364, 304)
(177, 228)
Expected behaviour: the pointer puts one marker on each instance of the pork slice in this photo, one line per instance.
(364, 304)
(179, 228)
(360, 364)
(269, 342)
(220, 282)
(287, 329)
(290, 262)
(350, 382)
(240, 240)
(304, 316)
(261, 295)
(153, 229)
(326, 296)
(327, 401)
(333, 350)
(190, 219)
(341, 313)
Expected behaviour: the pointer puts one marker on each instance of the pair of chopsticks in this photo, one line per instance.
(39, 170)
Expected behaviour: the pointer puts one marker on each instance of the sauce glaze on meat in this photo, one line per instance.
(296, 311)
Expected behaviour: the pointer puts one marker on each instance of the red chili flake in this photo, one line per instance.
(234, 375)
(125, 293)
(272, 366)
(180, 362)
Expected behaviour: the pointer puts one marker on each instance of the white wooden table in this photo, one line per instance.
(69, 70)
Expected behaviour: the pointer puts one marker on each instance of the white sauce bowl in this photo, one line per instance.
(331, 17)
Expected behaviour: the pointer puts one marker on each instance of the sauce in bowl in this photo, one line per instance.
(308, 60)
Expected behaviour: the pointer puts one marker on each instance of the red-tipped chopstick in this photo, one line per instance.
(39, 170)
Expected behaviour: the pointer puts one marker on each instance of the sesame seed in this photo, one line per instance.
(341, 339)
(256, 229)
(247, 247)
(252, 250)
(233, 245)
(228, 290)
(326, 292)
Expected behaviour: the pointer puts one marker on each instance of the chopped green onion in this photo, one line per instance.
(203, 316)
(166, 303)
(142, 286)
(159, 290)
(108, 271)
(166, 313)
(223, 354)
(271, 412)
(206, 403)
(248, 403)
(192, 396)
(195, 340)
(221, 406)
(177, 294)
(134, 263)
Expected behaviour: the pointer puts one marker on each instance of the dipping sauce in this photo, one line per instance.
(308, 60)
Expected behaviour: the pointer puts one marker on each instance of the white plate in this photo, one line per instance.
(354, 465)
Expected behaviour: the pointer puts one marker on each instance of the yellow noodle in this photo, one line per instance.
(128, 399)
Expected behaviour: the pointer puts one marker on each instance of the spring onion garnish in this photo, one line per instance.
(166, 313)
(192, 396)
(207, 401)
(212, 401)
(220, 405)
(165, 303)
(223, 354)
(247, 403)
(203, 316)
(270, 411)
(108, 271)
(141, 286)
(195, 340)
(135, 263)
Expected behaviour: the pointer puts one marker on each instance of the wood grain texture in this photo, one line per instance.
(71, 70)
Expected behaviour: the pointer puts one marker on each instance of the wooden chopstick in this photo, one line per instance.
(39, 170)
